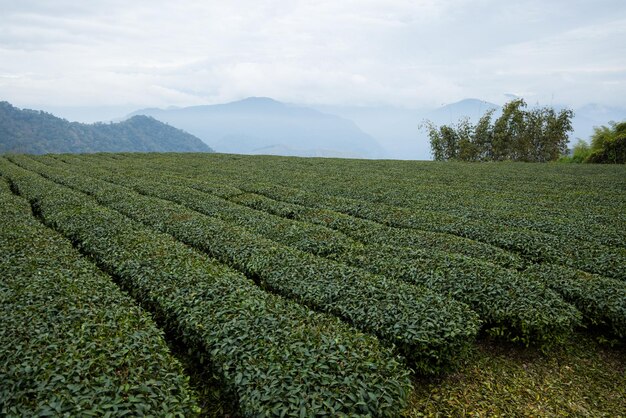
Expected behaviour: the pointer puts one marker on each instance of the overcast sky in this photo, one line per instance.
(410, 53)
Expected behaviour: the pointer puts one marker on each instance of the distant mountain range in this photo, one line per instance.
(259, 125)
(36, 132)
(398, 130)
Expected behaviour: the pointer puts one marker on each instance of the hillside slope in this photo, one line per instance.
(35, 132)
(259, 125)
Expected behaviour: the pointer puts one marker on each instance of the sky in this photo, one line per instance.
(404, 53)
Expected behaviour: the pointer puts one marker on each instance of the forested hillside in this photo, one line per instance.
(260, 125)
(36, 132)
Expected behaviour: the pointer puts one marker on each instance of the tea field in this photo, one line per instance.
(230, 285)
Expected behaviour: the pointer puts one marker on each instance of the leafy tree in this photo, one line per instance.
(443, 141)
(580, 152)
(537, 135)
(483, 137)
(608, 144)
(508, 132)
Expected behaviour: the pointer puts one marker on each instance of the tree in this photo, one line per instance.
(483, 137)
(537, 135)
(580, 152)
(608, 144)
(508, 132)
(444, 141)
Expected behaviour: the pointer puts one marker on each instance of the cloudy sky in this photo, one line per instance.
(410, 53)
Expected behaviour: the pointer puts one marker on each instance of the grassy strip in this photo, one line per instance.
(276, 356)
(429, 329)
(510, 304)
(71, 342)
(582, 378)
(534, 246)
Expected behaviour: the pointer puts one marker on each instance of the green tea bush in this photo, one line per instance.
(431, 330)
(505, 300)
(275, 356)
(448, 273)
(601, 300)
(534, 246)
(583, 202)
(72, 343)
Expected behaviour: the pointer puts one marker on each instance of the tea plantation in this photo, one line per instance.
(229, 285)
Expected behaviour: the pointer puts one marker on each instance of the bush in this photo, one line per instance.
(275, 356)
(580, 153)
(534, 246)
(431, 330)
(72, 343)
(504, 299)
(601, 300)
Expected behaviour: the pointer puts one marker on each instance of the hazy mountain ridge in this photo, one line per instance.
(398, 129)
(259, 125)
(36, 132)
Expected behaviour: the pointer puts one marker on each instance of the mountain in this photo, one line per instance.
(36, 132)
(451, 113)
(591, 115)
(398, 129)
(259, 125)
(395, 129)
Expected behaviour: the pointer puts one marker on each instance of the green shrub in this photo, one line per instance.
(601, 300)
(505, 300)
(581, 151)
(275, 356)
(72, 343)
(608, 144)
(410, 258)
(431, 330)
(535, 246)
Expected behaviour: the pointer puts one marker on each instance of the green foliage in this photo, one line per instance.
(503, 238)
(608, 144)
(276, 357)
(431, 330)
(601, 300)
(36, 132)
(503, 298)
(581, 151)
(71, 343)
(371, 232)
(534, 246)
(392, 252)
(535, 135)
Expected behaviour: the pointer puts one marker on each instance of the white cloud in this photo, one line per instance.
(402, 52)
